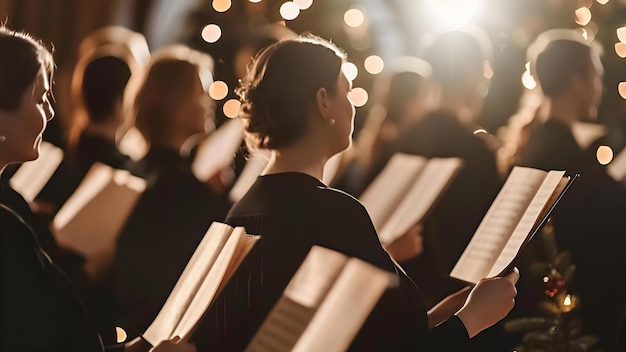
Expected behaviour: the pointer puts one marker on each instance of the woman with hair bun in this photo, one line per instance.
(295, 104)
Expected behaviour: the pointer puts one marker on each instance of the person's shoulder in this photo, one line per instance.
(335, 200)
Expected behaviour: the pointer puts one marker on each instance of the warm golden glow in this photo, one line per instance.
(221, 5)
(289, 10)
(621, 88)
(567, 301)
(350, 70)
(303, 4)
(583, 16)
(211, 33)
(604, 154)
(374, 64)
(358, 97)
(254, 1)
(121, 334)
(453, 13)
(354, 18)
(621, 34)
(487, 70)
(620, 49)
(602, 2)
(527, 78)
(546, 279)
(218, 90)
(231, 108)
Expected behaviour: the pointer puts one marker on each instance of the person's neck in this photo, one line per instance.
(562, 109)
(459, 106)
(304, 157)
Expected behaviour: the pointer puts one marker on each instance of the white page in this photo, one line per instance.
(383, 195)
(218, 150)
(188, 283)
(430, 184)
(257, 162)
(498, 224)
(617, 168)
(32, 176)
(207, 291)
(346, 307)
(528, 221)
(303, 295)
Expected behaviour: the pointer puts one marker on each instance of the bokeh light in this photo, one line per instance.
(602, 2)
(354, 18)
(255, 1)
(289, 10)
(583, 16)
(527, 78)
(374, 64)
(453, 13)
(621, 34)
(487, 70)
(621, 88)
(350, 71)
(218, 90)
(303, 4)
(221, 5)
(604, 154)
(121, 334)
(211, 33)
(231, 108)
(358, 96)
(620, 49)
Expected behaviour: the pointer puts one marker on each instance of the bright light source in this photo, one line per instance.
(254, 1)
(602, 2)
(374, 64)
(354, 18)
(303, 4)
(620, 49)
(527, 78)
(358, 97)
(583, 16)
(604, 154)
(218, 90)
(221, 5)
(621, 88)
(231, 108)
(487, 70)
(350, 70)
(453, 13)
(211, 33)
(621, 34)
(289, 10)
(121, 334)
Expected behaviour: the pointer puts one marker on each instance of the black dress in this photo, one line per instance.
(292, 212)
(39, 308)
(589, 221)
(159, 238)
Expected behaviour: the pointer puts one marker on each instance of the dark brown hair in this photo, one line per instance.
(280, 88)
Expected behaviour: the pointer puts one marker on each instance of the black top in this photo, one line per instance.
(456, 216)
(39, 308)
(166, 226)
(292, 212)
(589, 221)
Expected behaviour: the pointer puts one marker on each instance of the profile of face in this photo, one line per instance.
(342, 111)
(23, 128)
(594, 81)
(196, 111)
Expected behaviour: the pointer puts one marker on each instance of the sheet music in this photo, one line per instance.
(527, 222)
(32, 176)
(346, 307)
(498, 224)
(187, 285)
(383, 195)
(431, 182)
(257, 162)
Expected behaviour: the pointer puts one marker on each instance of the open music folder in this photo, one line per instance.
(520, 209)
(219, 254)
(405, 190)
(32, 176)
(324, 304)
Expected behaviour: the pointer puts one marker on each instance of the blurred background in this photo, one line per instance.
(373, 32)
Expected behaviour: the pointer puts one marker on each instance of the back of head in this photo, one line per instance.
(280, 88)
(132, 41)
(102, 84)
(556, 56)
(458, 57)
(171, 75)
(404, 87)
(21, 58)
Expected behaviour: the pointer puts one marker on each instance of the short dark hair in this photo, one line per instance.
(556, 57)
(280, 88)
(21, 58)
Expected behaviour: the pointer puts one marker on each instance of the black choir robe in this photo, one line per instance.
(292, 212)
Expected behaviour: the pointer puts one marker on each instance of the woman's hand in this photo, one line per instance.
(489, 302)
(407, 246)
(447, 307)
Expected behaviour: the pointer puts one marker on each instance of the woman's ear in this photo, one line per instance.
(322, 102)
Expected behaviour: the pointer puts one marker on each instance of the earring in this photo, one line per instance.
(331, 121)
(3, 138)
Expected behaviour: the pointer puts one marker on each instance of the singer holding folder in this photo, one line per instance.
(39, 309)
(295, 104)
